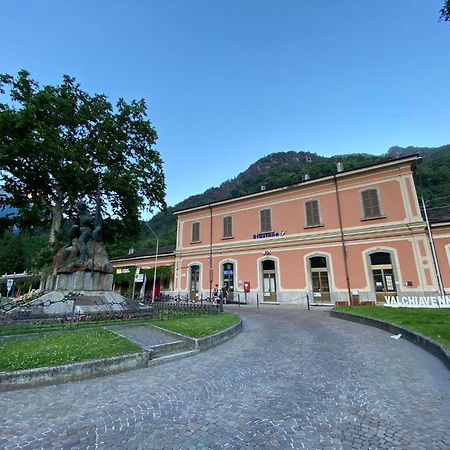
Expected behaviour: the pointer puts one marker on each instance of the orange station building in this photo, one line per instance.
(355, 236)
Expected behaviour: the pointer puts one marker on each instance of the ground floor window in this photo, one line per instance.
(383, 275)
(319, 279)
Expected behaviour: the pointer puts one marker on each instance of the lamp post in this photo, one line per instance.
(156, 260)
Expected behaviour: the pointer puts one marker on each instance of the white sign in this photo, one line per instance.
(9, 283)
(124, 270)
(317, 294)
(139, 278)
(408, 301)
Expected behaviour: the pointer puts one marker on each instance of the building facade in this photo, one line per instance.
(354, 236)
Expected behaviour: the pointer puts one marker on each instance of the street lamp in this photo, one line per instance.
(156, 260)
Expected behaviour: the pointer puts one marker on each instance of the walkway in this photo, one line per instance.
(291, 379)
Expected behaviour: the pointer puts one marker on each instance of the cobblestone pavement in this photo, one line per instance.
(291, 379)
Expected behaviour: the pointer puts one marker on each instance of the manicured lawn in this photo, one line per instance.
(64, 348)
(431, 322)
(28, 328)
(200, 326)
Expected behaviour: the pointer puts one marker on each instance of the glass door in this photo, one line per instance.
(269, 281)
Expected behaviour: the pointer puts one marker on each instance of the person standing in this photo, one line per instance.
(224, 293)
(215, 293)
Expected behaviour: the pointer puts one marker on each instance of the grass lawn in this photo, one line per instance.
(28, 328)
(431, 322)
(200, 326)
(64, 348)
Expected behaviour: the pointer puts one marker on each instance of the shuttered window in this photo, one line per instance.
(196, 232)
(227, 227)
(312, 213)
(266, 220)
(371, 203)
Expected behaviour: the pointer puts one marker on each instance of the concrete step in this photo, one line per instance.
(171, 357)
(169, 347)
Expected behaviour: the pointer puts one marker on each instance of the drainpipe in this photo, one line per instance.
(344, 248)
(210, 252)
(433, 251)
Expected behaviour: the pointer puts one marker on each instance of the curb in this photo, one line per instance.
(19, 379)
(416, 338)
(70, 372)
(208, 341)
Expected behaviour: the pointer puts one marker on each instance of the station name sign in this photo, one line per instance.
(408, 301)
(270, 234)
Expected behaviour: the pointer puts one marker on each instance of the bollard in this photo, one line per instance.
(257, 300)
(307, 300)
(239, 300)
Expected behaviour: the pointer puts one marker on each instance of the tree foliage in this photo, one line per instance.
(445, 11)
(56, 141)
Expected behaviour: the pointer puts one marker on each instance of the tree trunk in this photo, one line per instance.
(56, 223)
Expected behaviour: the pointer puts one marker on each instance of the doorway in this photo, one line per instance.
(269, 281)
(383, 276)
(319, 279)
(228, 279)
(194, 282)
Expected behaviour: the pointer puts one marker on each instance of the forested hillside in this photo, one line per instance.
(18, 251)
(279, 169)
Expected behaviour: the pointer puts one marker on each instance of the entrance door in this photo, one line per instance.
(194, 282)
(319, 278)
(383, 276)
(228, 279)
(269, 281)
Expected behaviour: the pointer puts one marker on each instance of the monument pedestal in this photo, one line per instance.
(79, 281)
(60, 303)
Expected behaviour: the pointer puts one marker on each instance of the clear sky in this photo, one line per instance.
(230, 81)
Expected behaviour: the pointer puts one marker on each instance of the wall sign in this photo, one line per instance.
(270, 234)
(407, 301)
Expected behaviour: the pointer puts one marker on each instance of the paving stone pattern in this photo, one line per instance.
(291, 379)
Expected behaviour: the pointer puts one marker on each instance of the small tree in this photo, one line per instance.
(55, 141)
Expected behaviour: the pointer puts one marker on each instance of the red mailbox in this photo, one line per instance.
(246, 286)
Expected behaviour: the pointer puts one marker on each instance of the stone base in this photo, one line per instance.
(52, 303)
(79, 281)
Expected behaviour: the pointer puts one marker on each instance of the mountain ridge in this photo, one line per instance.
(282, 168)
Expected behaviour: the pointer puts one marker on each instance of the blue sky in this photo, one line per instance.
(228, 82)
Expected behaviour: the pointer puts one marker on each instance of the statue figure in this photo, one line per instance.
(88, 229)
(84, 252)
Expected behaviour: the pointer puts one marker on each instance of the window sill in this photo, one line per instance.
(363, 219)
(314, 226)
(195, 242)
(224, 238)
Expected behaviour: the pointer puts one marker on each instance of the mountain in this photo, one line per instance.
(279, 169)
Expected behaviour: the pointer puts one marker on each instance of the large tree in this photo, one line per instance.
(56, 141)
(445, 11)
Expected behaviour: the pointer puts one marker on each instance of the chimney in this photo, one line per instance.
(339, 167)
(306, 177)
(130, 250)
(263, 187)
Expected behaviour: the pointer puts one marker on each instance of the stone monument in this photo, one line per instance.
(82, 267)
